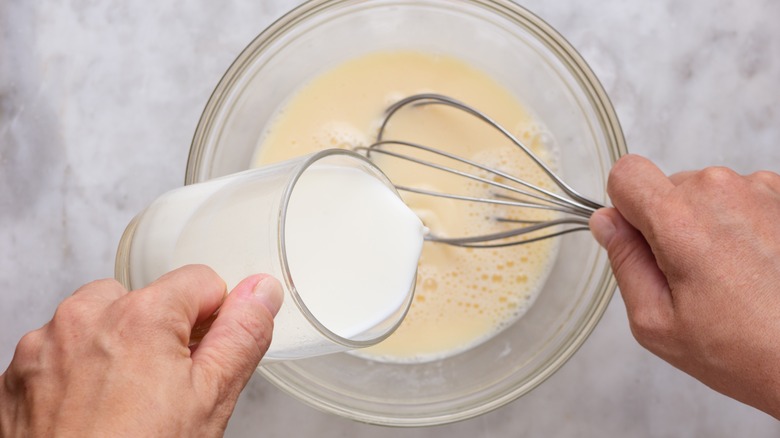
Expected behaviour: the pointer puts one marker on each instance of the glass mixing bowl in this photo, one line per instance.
(547, 75)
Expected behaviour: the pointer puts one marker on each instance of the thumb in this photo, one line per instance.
(240, 335)
(644, 287)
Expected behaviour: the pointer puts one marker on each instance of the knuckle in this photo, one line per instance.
(29, 347)
(624, 168)
(767, 178)
(642, 325)
(718, 176)
(71, 310)
(650, 330)
(256, 331)
(626, 164)
(106, 289)
(102, 284)
(645, 329)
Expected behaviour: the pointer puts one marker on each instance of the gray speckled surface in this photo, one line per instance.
(99, 100)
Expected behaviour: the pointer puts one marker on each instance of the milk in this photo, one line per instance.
(352, 247)
(346, 247)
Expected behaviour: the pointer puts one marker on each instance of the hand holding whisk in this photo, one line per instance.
(571, 209)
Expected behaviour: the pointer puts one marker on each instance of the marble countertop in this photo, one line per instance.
(99, 101)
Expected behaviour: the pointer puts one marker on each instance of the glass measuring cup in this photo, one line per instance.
(236, 224)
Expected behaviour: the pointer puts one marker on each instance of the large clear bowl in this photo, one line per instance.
(547, 75)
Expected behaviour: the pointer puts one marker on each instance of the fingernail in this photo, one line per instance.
(269, 291)
(603, 228)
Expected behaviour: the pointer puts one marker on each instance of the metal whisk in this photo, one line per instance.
(573, 209)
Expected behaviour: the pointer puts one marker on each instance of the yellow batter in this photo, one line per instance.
(463, 296)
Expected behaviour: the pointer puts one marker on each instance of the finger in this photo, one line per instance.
(680, 177)
(240, 335)
(637, 189)
(194, 291)
(643, 286)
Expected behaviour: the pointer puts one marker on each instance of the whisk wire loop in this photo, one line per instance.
(548, 199)
(439, 99)
(575, 209)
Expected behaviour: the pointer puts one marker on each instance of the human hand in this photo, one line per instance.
(113, 363)
(697, 260)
